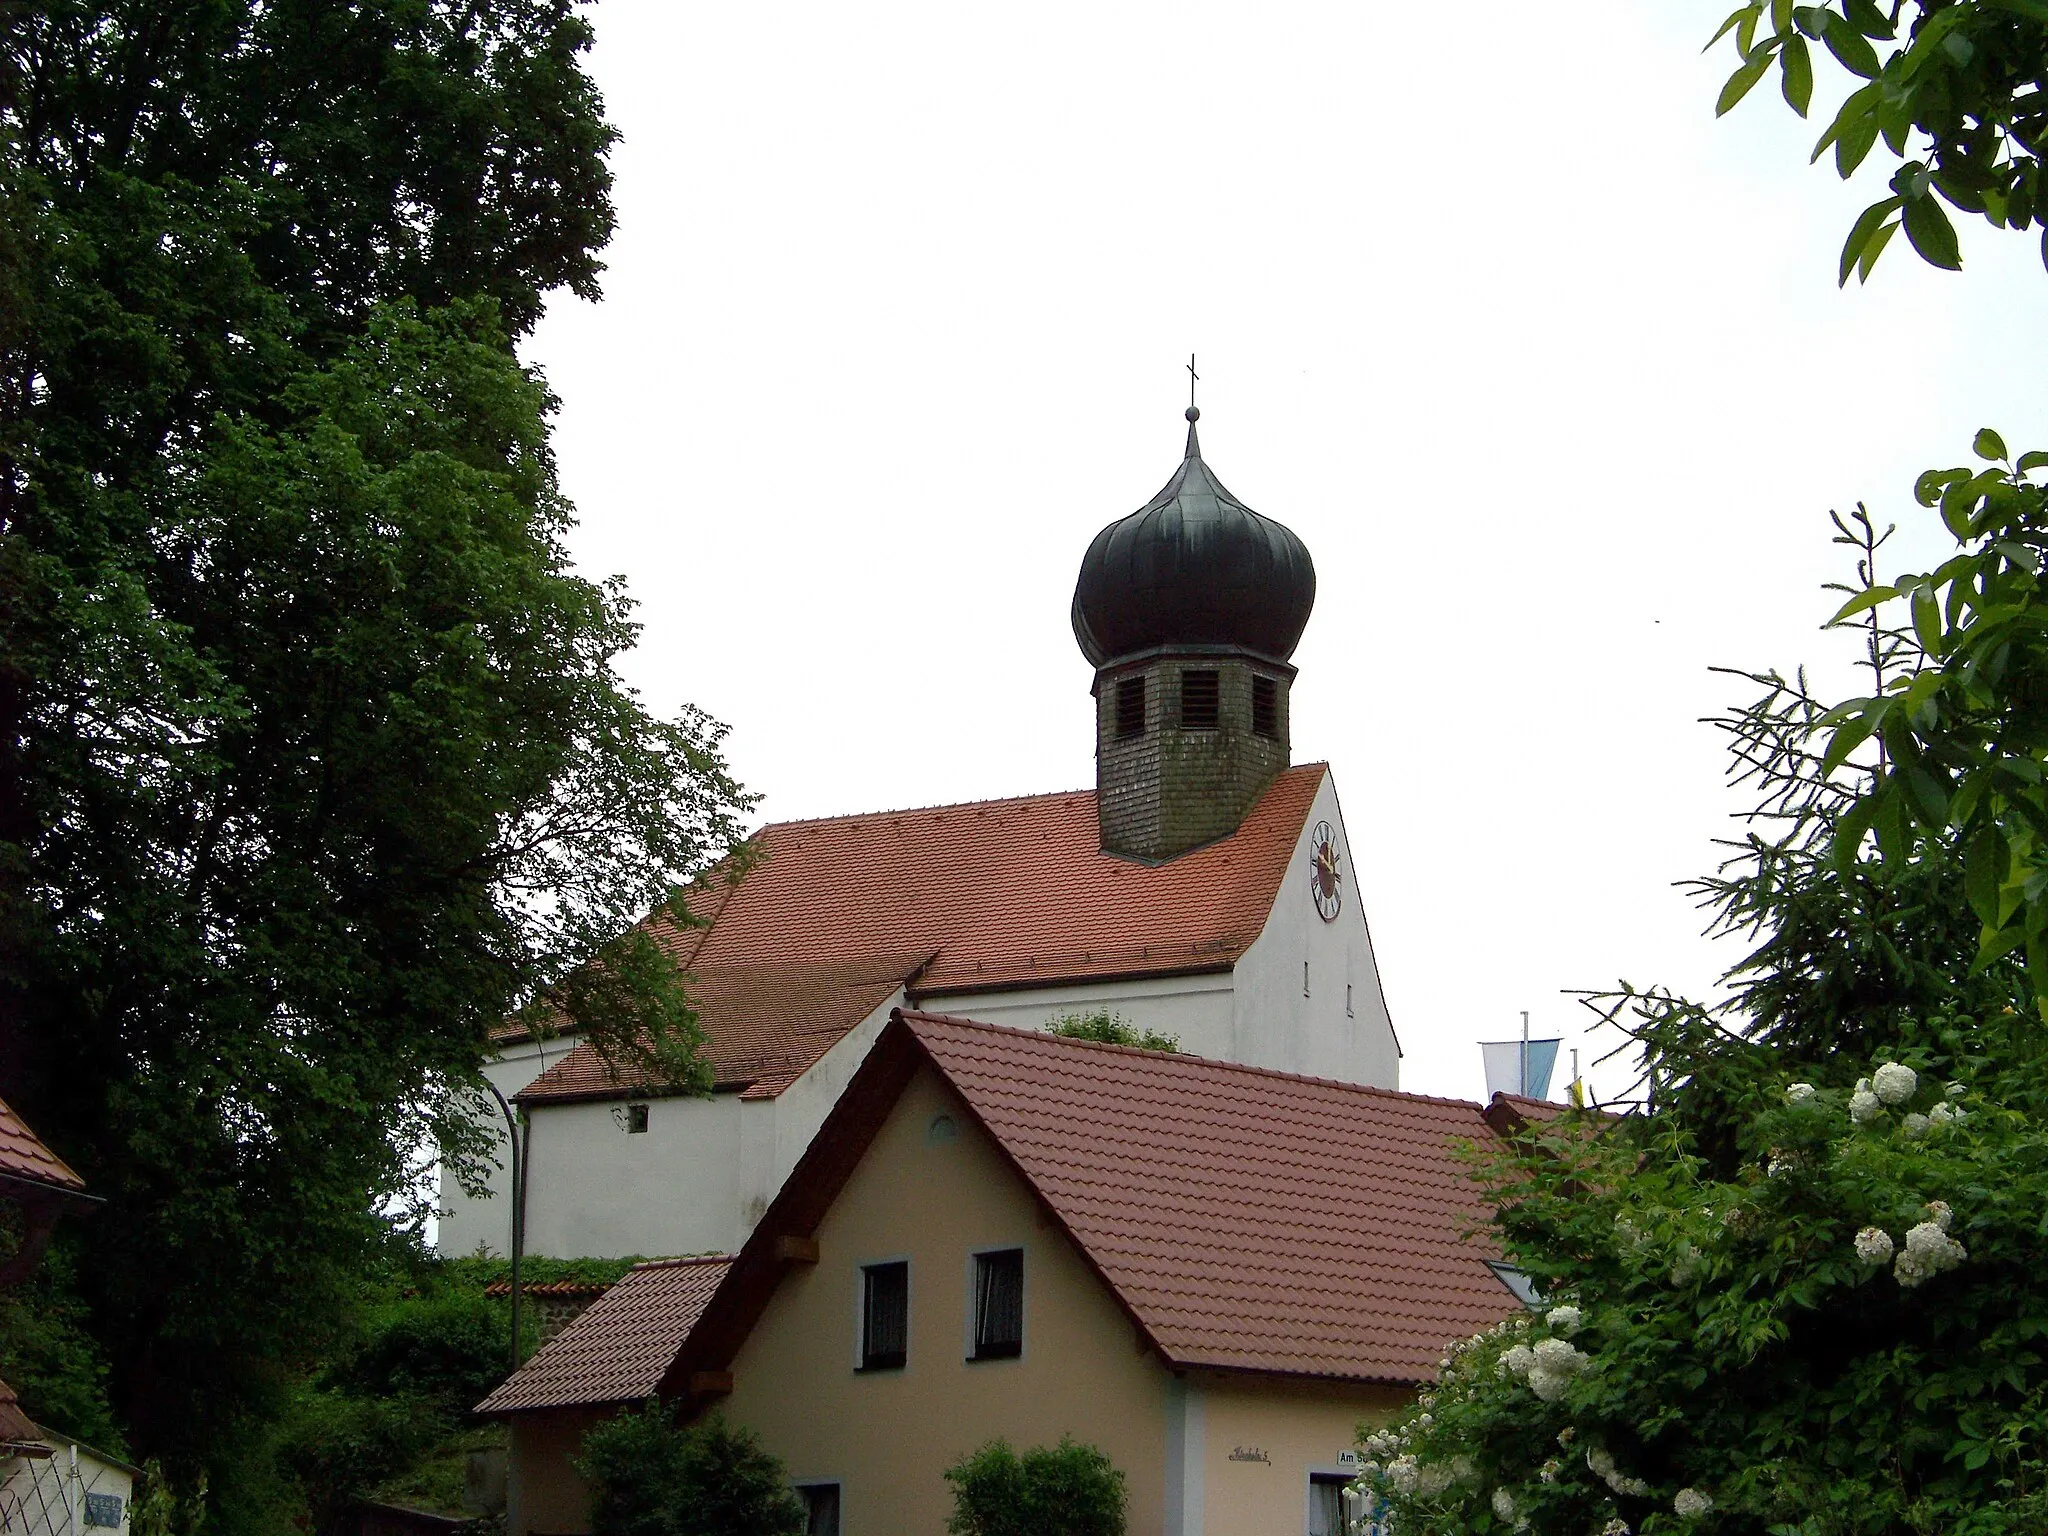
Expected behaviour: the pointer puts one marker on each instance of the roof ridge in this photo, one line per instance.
(686, 1259)
(1205, 1061)
(968, 805)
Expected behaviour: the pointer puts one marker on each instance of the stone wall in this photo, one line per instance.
(1169, 788)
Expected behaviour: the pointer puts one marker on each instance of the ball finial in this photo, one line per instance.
(1193, 413)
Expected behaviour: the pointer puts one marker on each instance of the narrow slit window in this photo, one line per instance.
(636, 1119)
(999, 1305)
(884, 1316)
(1201, 695)
(1347, 1001)
(1304, 978)
(1266, 708)
(1130, 707)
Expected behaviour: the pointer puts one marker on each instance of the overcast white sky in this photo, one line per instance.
(1547, 367)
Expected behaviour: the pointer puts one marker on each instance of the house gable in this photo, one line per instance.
(933, 1191)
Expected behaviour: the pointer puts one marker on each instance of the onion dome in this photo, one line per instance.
(1194, 566)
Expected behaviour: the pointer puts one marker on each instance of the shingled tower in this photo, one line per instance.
(1189, 610)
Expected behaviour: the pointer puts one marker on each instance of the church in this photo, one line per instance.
(1201, 890)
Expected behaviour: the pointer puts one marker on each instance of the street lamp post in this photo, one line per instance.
(518, 1207)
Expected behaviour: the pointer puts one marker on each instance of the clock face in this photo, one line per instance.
(1325, 871)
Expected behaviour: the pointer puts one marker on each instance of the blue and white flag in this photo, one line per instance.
(1504, 1072)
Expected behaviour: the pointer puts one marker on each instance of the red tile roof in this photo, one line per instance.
(618, 1348)
(1246, 1220)
(16, 1428)
(763, 1025)
(23, 1156)
(956, 898)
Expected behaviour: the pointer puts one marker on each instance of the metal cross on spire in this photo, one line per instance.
(1192, 376)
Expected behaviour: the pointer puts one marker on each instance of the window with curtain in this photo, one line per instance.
(999, 1304)
(1327, 1515)
(885, 1316)
(821, 1508)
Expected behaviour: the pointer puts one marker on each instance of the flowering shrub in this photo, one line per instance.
(1832, 1324)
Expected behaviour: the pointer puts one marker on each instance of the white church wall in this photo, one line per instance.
(471, 1222)
(1195, 1009)
(598, 1190)
(695, 1181)
(1337, 1026)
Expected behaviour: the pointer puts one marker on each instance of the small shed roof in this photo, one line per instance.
(617, 1350)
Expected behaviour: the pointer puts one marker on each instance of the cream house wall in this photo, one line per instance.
(1196, 1010)
(472, 1222)
(1262, 1438)
(695, 1181)
(887, 1437)
(1335, 1024)
(543, 1490)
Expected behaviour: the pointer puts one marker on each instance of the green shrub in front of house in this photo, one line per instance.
(650, 1477)
(1065, 1490)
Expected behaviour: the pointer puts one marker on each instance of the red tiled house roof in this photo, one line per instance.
(25, 1159)
(828, 916)
(618, 1349)
(1245, 1220)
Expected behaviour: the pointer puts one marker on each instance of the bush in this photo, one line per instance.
(1069, 1490)
(1110, 1029)
(648, 1477)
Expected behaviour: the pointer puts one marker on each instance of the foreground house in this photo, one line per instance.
(1203, 889)
(1213, 1272)
(50, 1485)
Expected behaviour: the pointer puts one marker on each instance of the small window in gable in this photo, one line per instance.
(1130, 708)
(1201, 694)
(885, 1316)
(636, 1119)
(1265, 708)
(999, 1304)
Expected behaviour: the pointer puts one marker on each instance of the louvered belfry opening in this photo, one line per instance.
(1189, 609)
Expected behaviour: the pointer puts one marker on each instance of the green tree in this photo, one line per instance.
(1798, 1290)
(1065, 1490)
(1110, 1028)
(648, 1477)
(315, 761)
(1956, 90)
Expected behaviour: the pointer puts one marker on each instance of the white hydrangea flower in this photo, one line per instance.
(1464, 1469)
(1863, 1085)
(1914, 1126)
(1864, 1106)
(1799, 1093)
(1691, 1503)
(1687, 1269)
(1425, 1422)
(1517, 1360)
(1894, 1083)
(1549, 1385)
(1776, 1168)
(1368, 1468)
(1405, 1473)
(1943, 1113)
(1432, 1478)
(1566, 1320)
(1941, 1213)
(1615, 1527)
(1600, 1461)
(1550, 1469)
(1954, 1090)
(1928, 1251)
(1873, 1245)
(1504, 1506)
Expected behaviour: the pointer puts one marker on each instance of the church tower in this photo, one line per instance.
(1189, 609)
